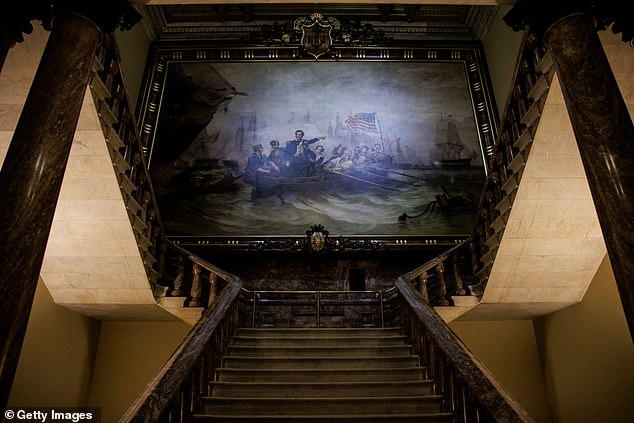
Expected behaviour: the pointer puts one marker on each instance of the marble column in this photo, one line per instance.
(32, 172)
(605, 136)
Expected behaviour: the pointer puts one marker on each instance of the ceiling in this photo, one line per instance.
(398, 21)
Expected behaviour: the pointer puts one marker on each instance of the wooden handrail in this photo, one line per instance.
(201, 262)
(469, 388)
(154, 402)
(413, 274)
(448, 271)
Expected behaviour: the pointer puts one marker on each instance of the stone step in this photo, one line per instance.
(329, 418)
(321, 406)
(319, 362)
(412, 373)
(321, 389)
(321, 333)
(318, 341)
(327, 352)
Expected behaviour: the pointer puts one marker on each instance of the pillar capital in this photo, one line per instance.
(108, 15)
(16, 18)
(540, 15)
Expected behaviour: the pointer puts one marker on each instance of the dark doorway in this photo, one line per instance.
(356, 279)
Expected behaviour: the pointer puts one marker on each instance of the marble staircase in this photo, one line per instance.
(321, 375)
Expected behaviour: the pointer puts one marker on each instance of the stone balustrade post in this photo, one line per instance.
(422, 289)
(442, 285)
(196, 290)
(213, 278)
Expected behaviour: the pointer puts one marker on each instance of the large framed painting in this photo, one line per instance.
(371, 146)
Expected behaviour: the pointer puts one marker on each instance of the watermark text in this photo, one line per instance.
(53, 414)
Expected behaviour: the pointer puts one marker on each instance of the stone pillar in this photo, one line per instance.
(33, 169)
(605, 136)
(31, 176)
(600, 120)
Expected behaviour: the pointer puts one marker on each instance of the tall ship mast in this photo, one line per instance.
(449, 150)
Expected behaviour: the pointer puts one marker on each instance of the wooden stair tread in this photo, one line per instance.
(321, 375)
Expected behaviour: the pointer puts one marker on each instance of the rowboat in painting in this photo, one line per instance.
(366, 178)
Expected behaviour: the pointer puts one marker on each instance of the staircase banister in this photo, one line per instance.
(157, 395)
(413, 274)
(137, 139)
(202, 262)
(487, 390)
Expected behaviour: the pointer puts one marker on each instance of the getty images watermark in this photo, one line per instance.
(53, 414)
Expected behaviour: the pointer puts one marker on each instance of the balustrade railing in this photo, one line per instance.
(532, 77)
(122, 136)
(468, 389)
(447, 275)
(329, 308)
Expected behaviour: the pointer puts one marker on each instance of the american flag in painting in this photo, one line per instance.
(363, 122)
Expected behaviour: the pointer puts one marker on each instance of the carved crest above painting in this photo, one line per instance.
(317, 35)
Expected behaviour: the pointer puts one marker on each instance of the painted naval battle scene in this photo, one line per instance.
(360, 148)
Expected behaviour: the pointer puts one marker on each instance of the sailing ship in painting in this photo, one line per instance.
(449, 150)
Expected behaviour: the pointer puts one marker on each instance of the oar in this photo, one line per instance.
(403, 174)
(412, 184)
(365, 181)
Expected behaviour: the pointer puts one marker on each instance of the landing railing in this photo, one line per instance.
(468, 389)
(329, 308)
